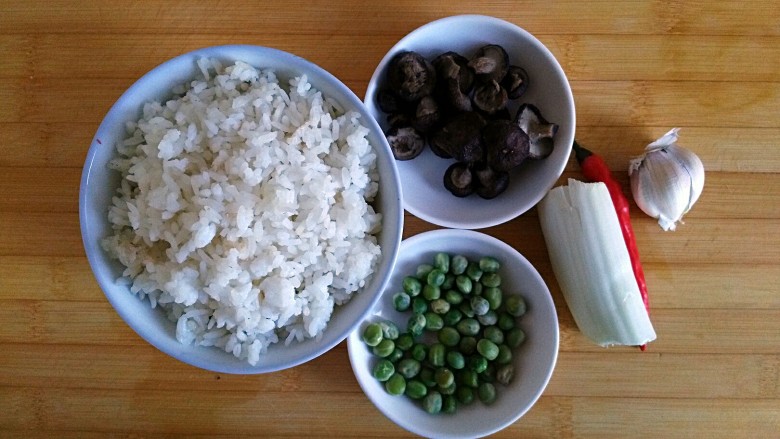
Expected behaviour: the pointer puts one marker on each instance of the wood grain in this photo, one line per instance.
(71, 368)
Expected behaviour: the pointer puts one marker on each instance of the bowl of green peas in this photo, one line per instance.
(463, 339)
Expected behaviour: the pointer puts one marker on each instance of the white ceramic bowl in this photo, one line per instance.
(98, 185)
(548, 89)
(534, 360)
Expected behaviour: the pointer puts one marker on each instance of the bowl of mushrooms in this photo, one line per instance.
(480, 123)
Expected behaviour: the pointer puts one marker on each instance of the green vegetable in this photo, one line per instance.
(449, 404)
(494, 334)
(491, 280)
(432, 402)
(487, 349)
(440, 306)
(505, 321)
(449, 336)
(405, 342)
(412, 286)
(389, 330)
(515, 305)
(455, 360)
(480, 305)
(515, 338)
(401, 301)
(493, 296)
(396, 385)
(383, 370)
(490, 318)
(504, 354)
(464, 284)
(384, 348)
(437, 354)
(468, 326)
(436, 277)
(487, 393)
(473, 272)
(396, 355)
(467, 345)
(452, 317)
(416, 389)
(442, 262)
(444, 377)
(469, 378)
(433, 321)
(505, 374)
(431, 292)
(465, 395)
(419, 305)
(489, 264)
(408, 367)
(458, 264)
(423, 270)
(416, 324)
(453, 297)
(372, 335)
(477, 363)
(419, 352)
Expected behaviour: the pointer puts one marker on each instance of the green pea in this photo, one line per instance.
(396, 355)
(389, 330)
(452, 317)
(436, 354)
(456, 360)
(440, 306)
(494, 334)
(515, 337)
(431, 292)
(384, 348)
(506, 321)
(458, 264)
(465, 395)
(412, 286)
(423, 270)
(490, 318)
(416, 389)
(453, 297)
(433, 321)
(435, 277)
(426, 376)
(383, 370)
(416, 324)
(493, 295)
(401, 301)
(396, 385)
(467, 345)
(476, 289)
(432, 402)
(449, 336)
(487, 393)
(419, 305)
(489, 264)
(489, 374)
(469, 378)
(408, 367)
(372, 335)
(449, 404)
(468, 326)
(477, 363)
(444, 377)
(487, 349)
(515, 305)
(442, 262)
(465, 308)
(419, 351)
(479, 305)
(449, 281)
(491, 280)
(473, 271)
(464, 284)
(405, 342)
(505, 374)
(504, 354)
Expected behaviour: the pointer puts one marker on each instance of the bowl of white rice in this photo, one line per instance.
(240, 209)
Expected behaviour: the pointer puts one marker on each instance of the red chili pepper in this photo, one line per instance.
(594, 169)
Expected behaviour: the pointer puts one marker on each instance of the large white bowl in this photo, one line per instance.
(548, 89)
(98, 185)
(534, 360)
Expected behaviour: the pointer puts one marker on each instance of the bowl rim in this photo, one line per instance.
(452, 235)
(151, 335)
(480, 20)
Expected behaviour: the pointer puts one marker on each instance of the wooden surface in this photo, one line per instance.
(70, 367)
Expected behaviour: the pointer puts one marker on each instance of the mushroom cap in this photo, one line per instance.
(459, 180)
(490, 63)
(540, 132)
(490, 97)
(411, 76)
(506, 145)
(406, 143)
(461, 137)
(515, 82)
(491, 183)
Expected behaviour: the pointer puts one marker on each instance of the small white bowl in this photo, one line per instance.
(534, 360)
(98, 185)
(548, 89)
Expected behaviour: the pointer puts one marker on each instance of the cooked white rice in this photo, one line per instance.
(244, 209)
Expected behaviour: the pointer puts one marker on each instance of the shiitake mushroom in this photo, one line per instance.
(411, 76)
(515, 82)
(406, 143)
(426, 115)
(459, 180)
(491, 183)
(461, 137)
(490, 97)
(490, 63)
(540, 132)
(506, 145)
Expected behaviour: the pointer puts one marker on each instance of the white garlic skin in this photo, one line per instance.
(666, 180)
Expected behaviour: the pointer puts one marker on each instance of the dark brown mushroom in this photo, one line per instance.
(453, 82)
(515, 82)
(437, 150)
(426, 116)
(389, 102)
(490, 63)
(459, 180)
(506, 145)
(540, 132)
(399, 120)
(405, 142)
(490, 97)
(461, 137)
(491, 183)
(411, 76)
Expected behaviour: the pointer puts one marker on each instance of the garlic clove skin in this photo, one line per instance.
(667, 180)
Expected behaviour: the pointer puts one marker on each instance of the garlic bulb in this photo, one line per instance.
(666, 180)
